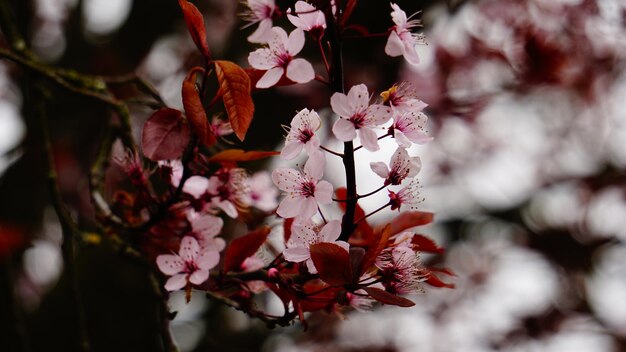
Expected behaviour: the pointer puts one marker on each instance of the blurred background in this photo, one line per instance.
(526, 176)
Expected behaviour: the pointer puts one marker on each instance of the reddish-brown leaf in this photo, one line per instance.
(243, 247)
(435, 281)
(380, 240)
(385, 297)
(287, 228)
(11, 239)
(235, 88)
(195, 111)
(235, 155)
(332, 263)
(195, 24)
(165, 135)
(424, 244)
(410, 219)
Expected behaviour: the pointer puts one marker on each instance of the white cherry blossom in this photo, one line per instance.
(401, 41)
(358, 116)
(278, 59)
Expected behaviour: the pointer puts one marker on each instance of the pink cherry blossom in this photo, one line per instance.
(402, 166)
(357, 115)
(254, 263)
(408, 127)
(401, 41)
(303, 190)
(205, 228)
(360, 301)
(191, 265)
(403, 97)
(227, 188)
(221, 127)
(308, 18)
(278, 59)
(302, 134)
(261, 12)
(401, 270)
(262, 193)
(409, 196)
(304, 234)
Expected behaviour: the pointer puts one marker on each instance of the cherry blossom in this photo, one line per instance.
(261, 12)
(302, 134)
(251, 264)
(304, 234)
(401, 41)
(228, 188)
(220, 127)
(191, 265)
(133, 167)
(261, 193)
(308, 19)
(205, 228)
(403, 97)
(409, 195)
(360, 301)
(278, 59)
(408, 128)
(303, 190)
(402, 166)
(357, 115)
(401, 270)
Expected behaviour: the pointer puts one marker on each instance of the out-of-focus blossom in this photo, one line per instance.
(261, 12)
(220, 127)
(360, 301)
(191, 265)
(308, 18)
(401, 41)
(205, 228)
(303, 191)
(261, 193)
(402, 166)
(251, 264)
(302, 134)
(227, 189)
(357, 115)
(278, 59)
(401, 270)
(403, 97)
(304, 234)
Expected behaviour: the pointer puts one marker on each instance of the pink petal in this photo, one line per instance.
(419, 137)
(263, 33)
(315, 165)
(309, 207)
(205, 224)
(279, 41)
(227, 206)
(343, 244)
(291, 150)
(344, 130)
(199, 276)
(214, 244)
(295, 42)
(331, 231)
(378, 114)
(170, 264)
(312, 146)
(394, 46)
(262, 59)
(285, 179)
(196, 186)
(380, 169)
(300, 71)
(297, 254)
(311, 266)
(298, 22)
(359, 97)
(270, 78)
(398, 16)
(189, 249)
(340, 105)
(290, 207)
(208, 260)
(415, 165)
(324, 192)
(401, 139)
(176, 282)
(369, 139)
(410, 53)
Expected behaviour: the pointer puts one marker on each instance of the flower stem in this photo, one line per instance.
(372, 192)
(331, 151)
(379, 138)
(372, 213)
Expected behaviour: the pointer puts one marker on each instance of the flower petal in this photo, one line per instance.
(324, 192)
(208, 260)
(297, 254)
(300, 71)
(369, 139)
(286, 179)
(263, 33)
(358, 97)
(262, 59)
(331, 231)
(410, 52)
(378, 114)
(199, 276)
(340, 105)
(291, 150)
(315, 165)
(189, 249)
(170, 264)
(344, 130)
(270, 78)
(380, 169)
(290, 207)
(309, 208)
(295, 42)
(394, 46)
(176, 282)
(196, 186)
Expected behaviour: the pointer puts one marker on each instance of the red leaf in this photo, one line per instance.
(195, 24)
(235, 87)
(194, 109)
(424, 244)
(379, 242)
(332, 263)
(435, 281)
(287, 228)
(11, 239)
(410, 219)
(243, 247)
(385, 297)
(165, 135)
(234, 155)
